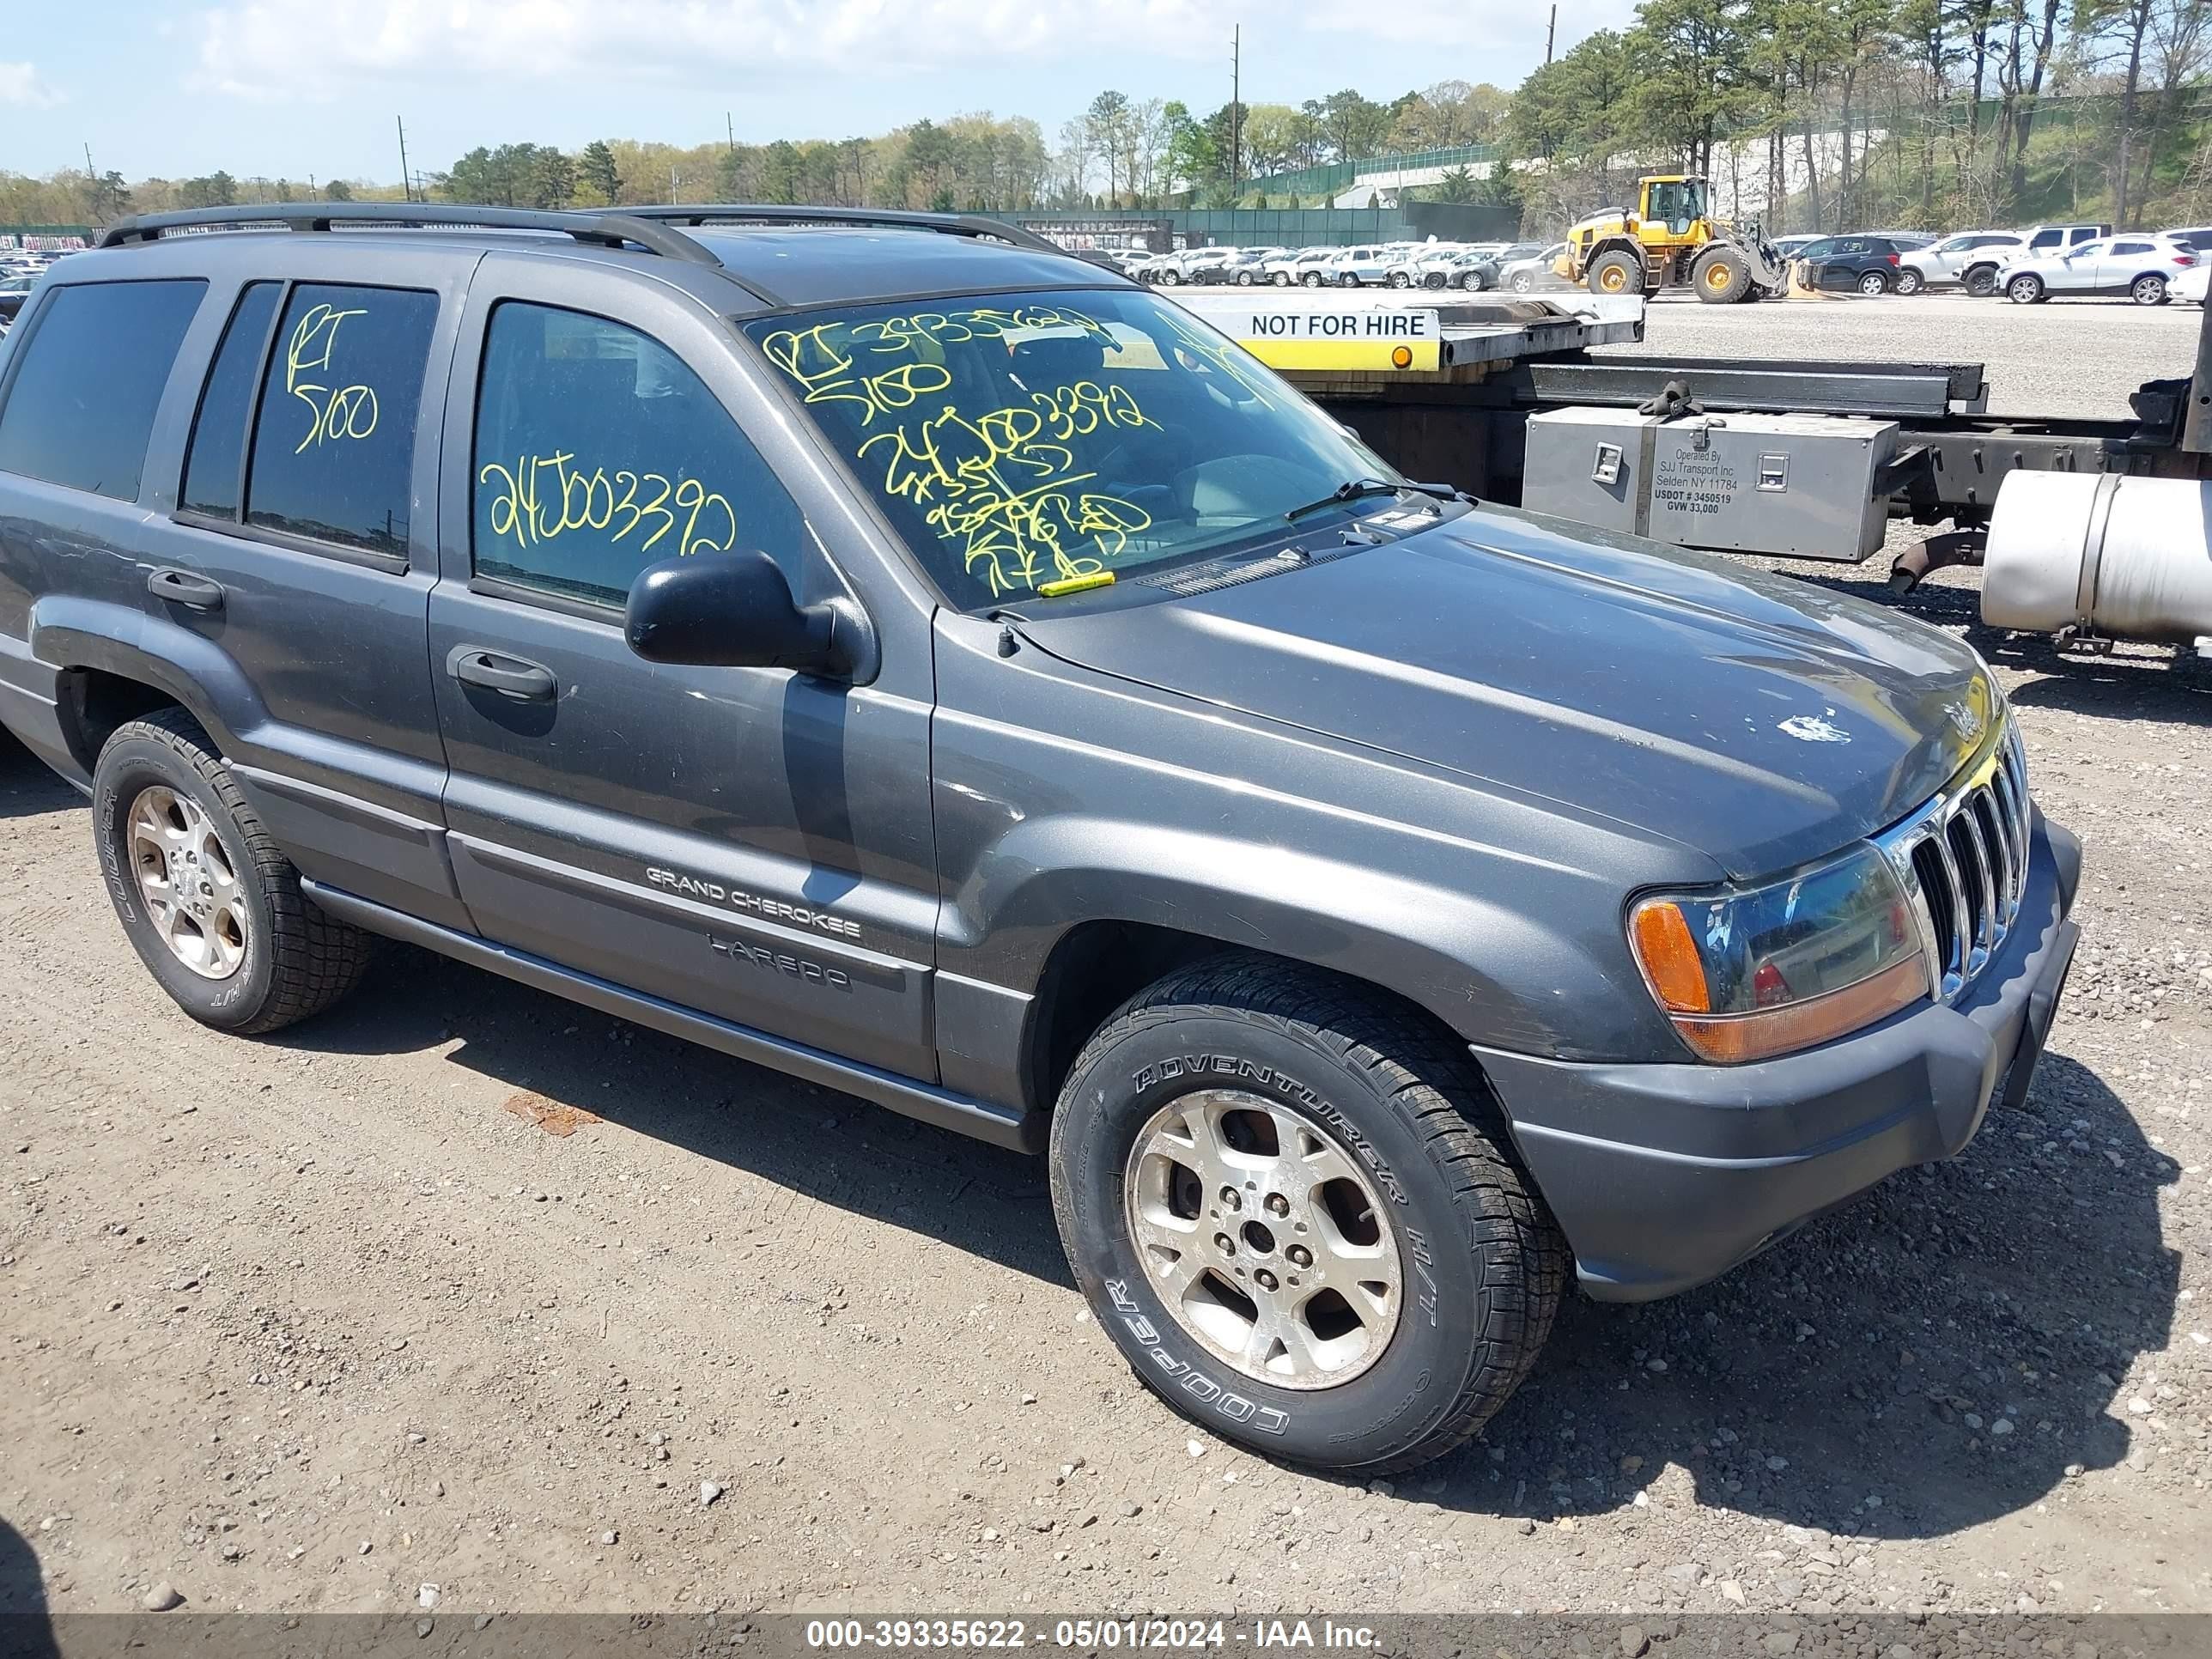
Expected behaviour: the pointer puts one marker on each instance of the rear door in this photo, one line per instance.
(751, 843)
(2123, 259)
(301, 543)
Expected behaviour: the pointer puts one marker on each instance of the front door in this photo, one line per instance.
(2078, 272)
(749, 843)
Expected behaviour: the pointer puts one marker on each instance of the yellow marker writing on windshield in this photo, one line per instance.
(1075, 583)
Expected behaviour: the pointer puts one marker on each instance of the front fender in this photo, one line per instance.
(1479, 962)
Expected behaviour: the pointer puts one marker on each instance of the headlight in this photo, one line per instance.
(1748, 973)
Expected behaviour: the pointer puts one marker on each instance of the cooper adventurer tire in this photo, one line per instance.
(294, 960)
(1481, 1264)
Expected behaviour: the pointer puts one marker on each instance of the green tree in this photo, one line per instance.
(1355, 125)
(338, 191)
(596, 168)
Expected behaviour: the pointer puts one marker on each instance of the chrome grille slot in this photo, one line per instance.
(1962, 860)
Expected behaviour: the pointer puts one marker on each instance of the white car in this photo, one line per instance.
(1413, 269)
(1969, 258)
(2136, 264)
(1304, 267)
(2189, 287)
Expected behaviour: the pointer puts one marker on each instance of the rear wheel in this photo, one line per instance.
(1472, 281)
(1615, 273)
(2148, 290)
(1909, 282)
(1295, 1210)
(1169, 278)
(1872, 283)
(2024, 289)
(1311, 279)
(1981, 282)
(212, 906)
(1399, 279)
(1244, 279)
(1435, 279)
(1281, 279)
(1720, 277)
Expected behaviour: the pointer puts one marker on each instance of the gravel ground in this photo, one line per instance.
(463, 1296)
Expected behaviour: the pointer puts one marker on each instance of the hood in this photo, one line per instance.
(1758, 719)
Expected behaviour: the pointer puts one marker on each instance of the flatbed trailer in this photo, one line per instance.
(1463, 415)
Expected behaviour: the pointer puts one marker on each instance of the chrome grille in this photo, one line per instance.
(1962, 860)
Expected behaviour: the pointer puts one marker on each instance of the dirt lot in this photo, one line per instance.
(462, 1287)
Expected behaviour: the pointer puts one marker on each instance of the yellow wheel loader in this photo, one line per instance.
(1669, 240)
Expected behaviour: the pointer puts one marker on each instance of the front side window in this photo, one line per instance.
(598, 452)
(1020, 441)
(90, 378)
(334, 439)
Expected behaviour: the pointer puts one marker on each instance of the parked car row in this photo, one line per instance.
(1468, 266)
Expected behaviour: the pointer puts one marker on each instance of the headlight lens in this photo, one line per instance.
(1748, 973)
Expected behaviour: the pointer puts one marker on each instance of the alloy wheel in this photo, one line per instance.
(1264, 1238)
(193, 895)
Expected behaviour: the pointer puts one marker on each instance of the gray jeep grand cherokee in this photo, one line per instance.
(909, 656)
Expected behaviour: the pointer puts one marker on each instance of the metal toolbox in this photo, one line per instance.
(1799, 486)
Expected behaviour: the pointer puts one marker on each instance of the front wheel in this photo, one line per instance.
(1435, 279)
(1169, 278)
(1910, 283)
(1472, 281)
(1244, 279)
(2024, 289)
(1281, 279)
(2148, 290)
(210, 904)
(1296, 1212)
(1524, 283)
(1873, 283)
(1399, 279)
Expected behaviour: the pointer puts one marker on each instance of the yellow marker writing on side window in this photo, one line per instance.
(1075, 583)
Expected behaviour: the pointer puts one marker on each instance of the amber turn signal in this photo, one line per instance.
(1669, 957)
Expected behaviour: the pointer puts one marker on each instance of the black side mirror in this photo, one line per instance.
(730, 610)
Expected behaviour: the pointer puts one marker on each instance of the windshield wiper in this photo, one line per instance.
(1352, 490)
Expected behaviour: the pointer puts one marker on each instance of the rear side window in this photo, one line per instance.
(334, 439)
(598, 452)
(2131, 248)
(89, 379)
(215, 467)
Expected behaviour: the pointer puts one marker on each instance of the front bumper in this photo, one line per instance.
(1663, 1177)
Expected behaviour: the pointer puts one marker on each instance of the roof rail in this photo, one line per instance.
(753, 213)
(602, 229)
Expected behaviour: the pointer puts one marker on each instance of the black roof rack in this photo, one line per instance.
(607, 229)
(754, 213)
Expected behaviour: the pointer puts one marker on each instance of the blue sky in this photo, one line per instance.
(300, 86)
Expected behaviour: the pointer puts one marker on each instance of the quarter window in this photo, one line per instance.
(598, 452)
(217, 465)
(334, 439)
(91, 376)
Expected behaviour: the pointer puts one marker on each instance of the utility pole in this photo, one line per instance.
(1550, 31)
(406, 179)
(730, 128)
(1236, 106)
(92, 179)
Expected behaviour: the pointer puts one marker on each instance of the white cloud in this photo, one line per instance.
(20, 84)
(277, 50)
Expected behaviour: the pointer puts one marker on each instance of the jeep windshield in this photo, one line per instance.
(1020, 442)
